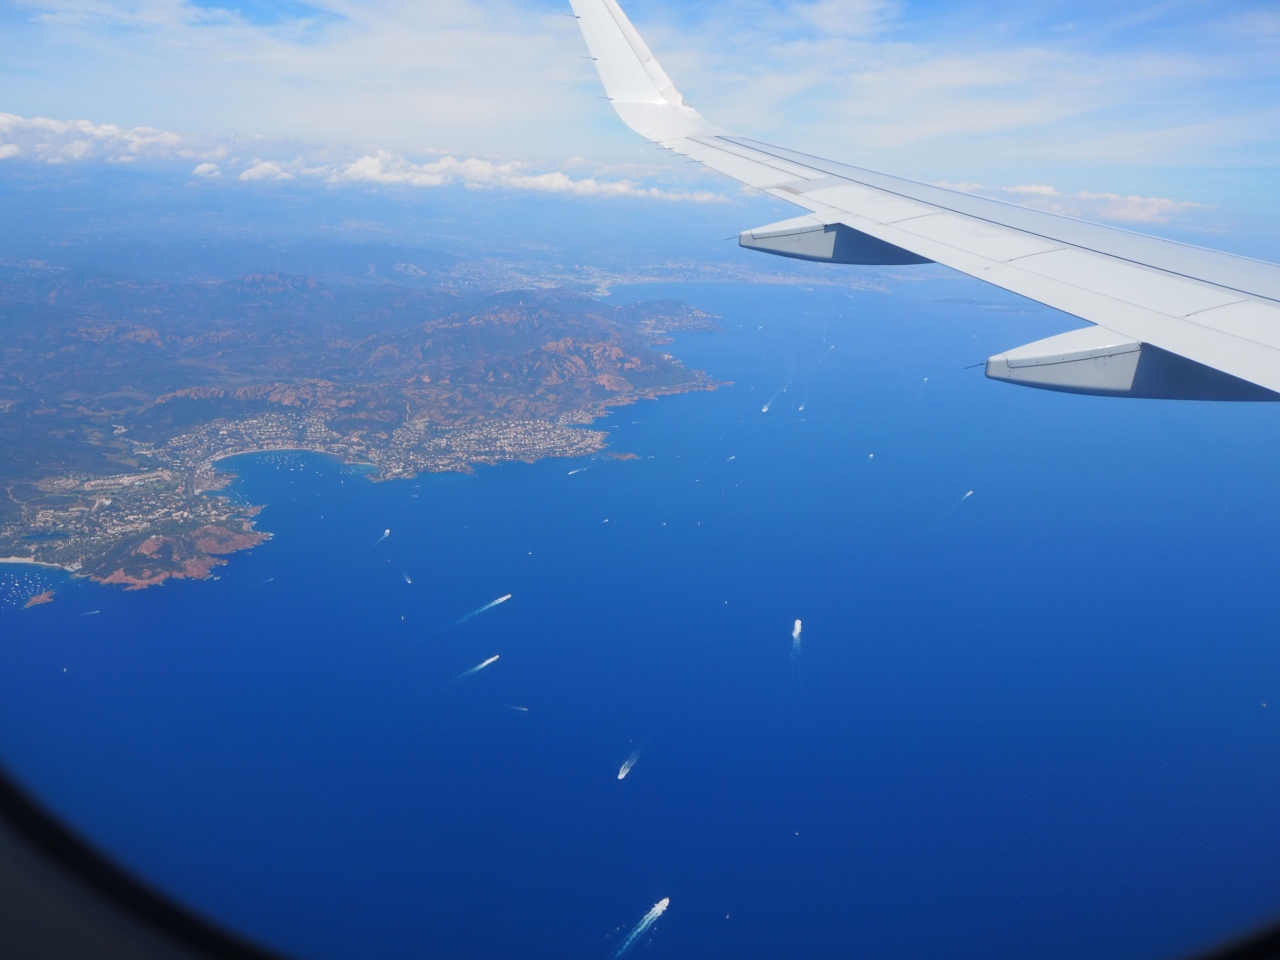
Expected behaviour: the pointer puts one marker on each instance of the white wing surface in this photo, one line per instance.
(1173, 320)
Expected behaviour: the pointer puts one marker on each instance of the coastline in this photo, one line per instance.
(519, 376)
(289, 449)
(187, 539)
(37, 563)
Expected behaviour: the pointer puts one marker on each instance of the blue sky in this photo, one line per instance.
(1162, 116)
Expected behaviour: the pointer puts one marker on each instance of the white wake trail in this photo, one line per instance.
(765, 408)
(795, 640)
(645, 923)
(488, 606)
(476, 669)
(956, 505)
(630, 762)
(385, 533)
(805, 402)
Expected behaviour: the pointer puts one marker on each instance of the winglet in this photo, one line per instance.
(642, 93)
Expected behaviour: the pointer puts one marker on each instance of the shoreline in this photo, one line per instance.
(244, 453)
(218, 478)
(36, 563)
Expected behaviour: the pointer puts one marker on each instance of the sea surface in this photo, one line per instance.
(1033, 711)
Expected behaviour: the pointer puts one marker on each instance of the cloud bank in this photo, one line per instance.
(1085, 205)
(64, 141)
(384, 167)
(58, 142)
(69, 141)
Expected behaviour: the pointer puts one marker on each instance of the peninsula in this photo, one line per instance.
(118, 397)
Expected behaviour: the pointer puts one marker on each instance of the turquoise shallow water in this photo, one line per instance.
(1026, 722)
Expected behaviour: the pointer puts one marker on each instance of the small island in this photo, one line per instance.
(119, 398)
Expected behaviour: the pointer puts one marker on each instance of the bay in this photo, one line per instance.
(1028, 714)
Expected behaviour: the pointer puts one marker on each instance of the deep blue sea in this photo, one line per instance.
(1040, 720)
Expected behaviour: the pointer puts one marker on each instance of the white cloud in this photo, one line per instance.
(925, 89)
(384, 167)
(265, 170)
(1135, 209)
(80, 141)
(484, 74)
(846, 18)
(979, 91)
(60, 141)
(1106, 207)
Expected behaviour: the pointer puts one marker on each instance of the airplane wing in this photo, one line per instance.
(1171, 320)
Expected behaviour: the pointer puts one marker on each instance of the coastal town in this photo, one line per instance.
(138, 529)
(115, 474)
